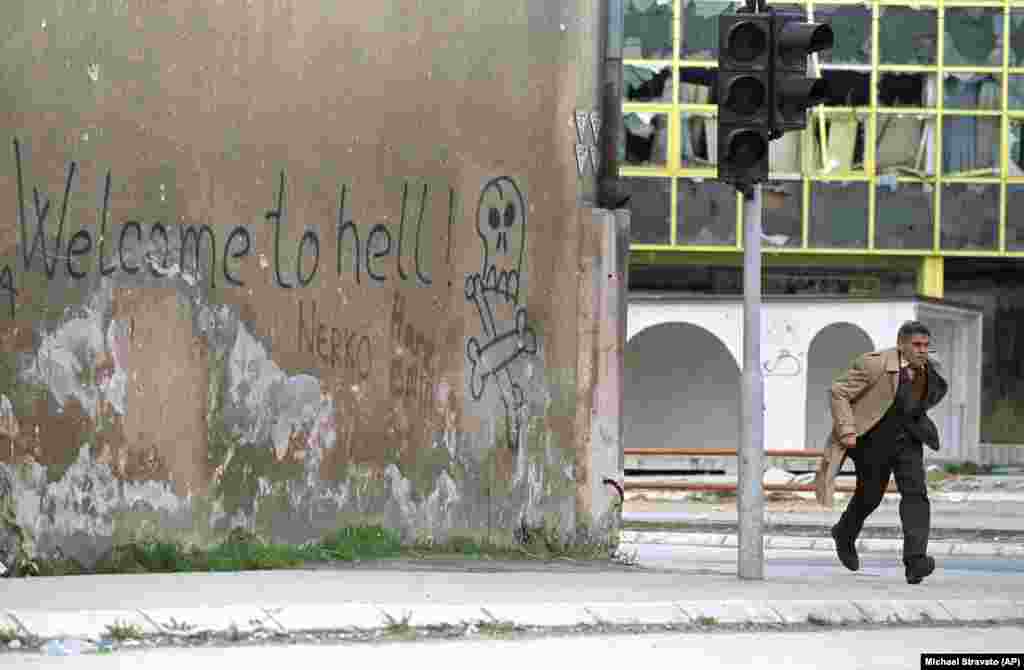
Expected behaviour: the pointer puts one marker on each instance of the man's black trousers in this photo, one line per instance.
(876, 460)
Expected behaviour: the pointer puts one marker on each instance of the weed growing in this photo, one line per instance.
(242, 550)
(121, 631)
(399, 627)
(8, 634)
(496, 628)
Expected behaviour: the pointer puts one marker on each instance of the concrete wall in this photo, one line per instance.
(291, 265)
(684, 357)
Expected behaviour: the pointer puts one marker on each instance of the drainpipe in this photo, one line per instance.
(609, 195)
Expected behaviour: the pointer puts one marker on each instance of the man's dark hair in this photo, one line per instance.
(911, 328)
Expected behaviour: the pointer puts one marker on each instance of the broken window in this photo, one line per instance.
(644, 139)
(647, 29)
(907, 36)
(904, 214)
(698, 28)
(971, 36)
(705, 212)
(647, 83)
(650, 204)
(839, 214)
(970, 216)
(851, 25)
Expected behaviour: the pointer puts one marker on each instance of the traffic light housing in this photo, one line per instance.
(744, 95)
(793, 41)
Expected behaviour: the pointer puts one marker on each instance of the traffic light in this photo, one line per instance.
(744, 95)
(794, 41)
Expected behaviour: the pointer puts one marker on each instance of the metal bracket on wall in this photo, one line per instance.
(587, 152)
(582, 158)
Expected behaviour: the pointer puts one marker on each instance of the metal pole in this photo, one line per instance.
(608, 193)
(750, 488)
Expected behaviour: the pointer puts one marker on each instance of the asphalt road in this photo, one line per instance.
(784, 564)
(836, 650)
(974, 522)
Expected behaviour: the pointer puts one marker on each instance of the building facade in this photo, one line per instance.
(899, 200)
(292, 266)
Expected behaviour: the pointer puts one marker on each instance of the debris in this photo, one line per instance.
(70, 647)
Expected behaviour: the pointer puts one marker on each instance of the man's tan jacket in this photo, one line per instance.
(860, 398)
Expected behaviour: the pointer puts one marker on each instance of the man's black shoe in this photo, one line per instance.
(920, 569)
(846, 550)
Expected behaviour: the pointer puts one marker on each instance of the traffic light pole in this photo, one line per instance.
(751, 451)
(762, 91)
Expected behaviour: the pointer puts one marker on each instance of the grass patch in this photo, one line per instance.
(242, 550)
(967, 468)
(530, 542)
(245, 551)
(121, 631)
(461, 546)
(399, 627)
(707, 621)
(496, 628)
(8, 634)
(360, 543)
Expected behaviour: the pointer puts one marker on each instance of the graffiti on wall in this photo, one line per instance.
(414, 364)
(131, 245)
(193, 252)
(505, 334)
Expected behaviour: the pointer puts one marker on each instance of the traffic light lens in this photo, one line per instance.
(746, 42)
(747, 149)
(745, 95)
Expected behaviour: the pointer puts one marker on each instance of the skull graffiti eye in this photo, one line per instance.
(510, 215)
(494, 218)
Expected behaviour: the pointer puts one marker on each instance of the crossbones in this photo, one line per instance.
(501, 214)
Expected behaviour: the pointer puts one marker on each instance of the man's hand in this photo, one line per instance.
(846, 391)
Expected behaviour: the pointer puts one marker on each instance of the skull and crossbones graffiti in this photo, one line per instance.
(494, 291)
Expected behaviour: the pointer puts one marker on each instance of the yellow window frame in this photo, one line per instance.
(674, 170)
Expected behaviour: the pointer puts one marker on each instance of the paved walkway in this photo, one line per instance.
(546, 595)
(560, 593)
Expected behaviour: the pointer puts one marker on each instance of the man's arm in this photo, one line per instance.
(845, 391)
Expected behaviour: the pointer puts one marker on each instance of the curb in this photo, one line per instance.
(286, 620)
(968, 497)
(872, 546)
(637, 490)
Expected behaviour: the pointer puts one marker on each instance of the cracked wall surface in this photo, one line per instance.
(292, 266)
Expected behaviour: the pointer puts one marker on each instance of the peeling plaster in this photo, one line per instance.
(63, 356)
(279, 406)
(435, 510)
(67, 356)
(271, 409)
(85, 499)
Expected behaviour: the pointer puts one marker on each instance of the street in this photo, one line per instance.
(786, 565)
(835, 650)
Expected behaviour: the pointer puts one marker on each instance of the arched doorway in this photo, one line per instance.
(682, 389)
(830, 354)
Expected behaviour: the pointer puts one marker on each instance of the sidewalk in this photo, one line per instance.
(988, 523)
(453, 593)
(701, 590)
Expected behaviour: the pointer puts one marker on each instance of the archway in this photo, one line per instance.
(830, 354)
(682, 389)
